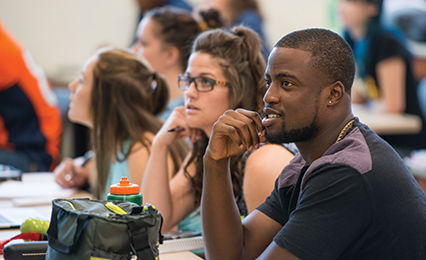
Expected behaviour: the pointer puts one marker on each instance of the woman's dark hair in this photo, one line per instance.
(178, 28)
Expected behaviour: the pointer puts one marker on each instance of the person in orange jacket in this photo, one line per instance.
(30, 120)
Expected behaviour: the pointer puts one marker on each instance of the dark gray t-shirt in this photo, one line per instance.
(358, 201)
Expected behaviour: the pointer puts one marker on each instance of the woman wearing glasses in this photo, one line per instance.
(225, 71)
(164, 38)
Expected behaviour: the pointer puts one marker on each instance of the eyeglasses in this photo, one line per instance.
(202, 84)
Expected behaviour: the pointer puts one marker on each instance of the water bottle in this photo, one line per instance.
(125, 191)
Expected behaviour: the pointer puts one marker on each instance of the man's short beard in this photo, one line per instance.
(294, 135)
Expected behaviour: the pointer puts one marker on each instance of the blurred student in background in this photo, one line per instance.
(164, 38)
(30, 120)
(117, 97)
(384, 68)
(225, 71)
(146, 5)
(412, 22)
(242, 12)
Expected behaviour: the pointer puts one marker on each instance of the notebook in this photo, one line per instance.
(181, 244)
(14, 217)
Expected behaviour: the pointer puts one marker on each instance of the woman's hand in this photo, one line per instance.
(69, 175)
(176, 127)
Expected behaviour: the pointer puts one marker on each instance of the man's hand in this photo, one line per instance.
(234, 133)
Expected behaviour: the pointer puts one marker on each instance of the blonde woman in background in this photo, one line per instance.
(117, 96)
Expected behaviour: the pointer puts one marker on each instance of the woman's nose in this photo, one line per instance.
(191, 90)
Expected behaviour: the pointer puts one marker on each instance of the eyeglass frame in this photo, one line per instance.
(193, 79)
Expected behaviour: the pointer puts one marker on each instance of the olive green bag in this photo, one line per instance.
(83, 229)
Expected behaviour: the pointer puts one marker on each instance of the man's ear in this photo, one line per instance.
(336, 92)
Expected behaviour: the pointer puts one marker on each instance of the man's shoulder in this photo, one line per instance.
(353, 151)
(291, 171)
(361, 149)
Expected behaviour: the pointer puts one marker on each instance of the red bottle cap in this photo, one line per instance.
(124, 187)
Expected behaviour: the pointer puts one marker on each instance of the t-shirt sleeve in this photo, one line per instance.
(390, 47)
(275, 206)
(333, 210)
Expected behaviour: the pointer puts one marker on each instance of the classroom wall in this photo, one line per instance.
(61, 34)
(284, 16)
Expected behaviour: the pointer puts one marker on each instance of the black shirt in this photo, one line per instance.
(357, 201)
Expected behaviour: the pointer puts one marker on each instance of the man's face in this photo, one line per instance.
(292, 101)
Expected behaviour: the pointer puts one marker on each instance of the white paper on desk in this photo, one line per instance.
(34, 186)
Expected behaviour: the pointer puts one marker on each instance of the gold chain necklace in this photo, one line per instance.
(342, 133)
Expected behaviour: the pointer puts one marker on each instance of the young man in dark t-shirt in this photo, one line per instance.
(346, 195)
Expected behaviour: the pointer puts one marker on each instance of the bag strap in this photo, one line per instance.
(140, 241)
(52, 232)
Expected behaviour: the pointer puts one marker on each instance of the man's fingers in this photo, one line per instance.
(257, 119)
(249, 125)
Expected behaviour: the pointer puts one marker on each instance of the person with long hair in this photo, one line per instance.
(164, 38)
(225, 71)
(117, 96)
(386, 81)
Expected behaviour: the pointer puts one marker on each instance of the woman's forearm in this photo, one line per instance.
(155, 186)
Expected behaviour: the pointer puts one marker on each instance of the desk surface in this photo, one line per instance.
(388, 124)
(45, 211)
(185, 255)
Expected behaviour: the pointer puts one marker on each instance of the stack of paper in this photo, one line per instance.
(182, 244)
(34, 189)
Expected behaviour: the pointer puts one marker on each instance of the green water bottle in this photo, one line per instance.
(125, 191)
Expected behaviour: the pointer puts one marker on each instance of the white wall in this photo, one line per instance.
(282, 17)
(62, 34)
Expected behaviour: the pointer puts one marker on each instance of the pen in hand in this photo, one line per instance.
(69, 176)
(80, 162)
(176, 129)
